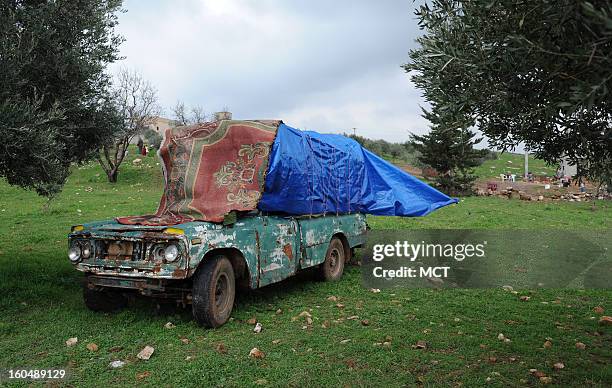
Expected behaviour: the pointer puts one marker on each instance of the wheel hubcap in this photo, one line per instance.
(221, 291)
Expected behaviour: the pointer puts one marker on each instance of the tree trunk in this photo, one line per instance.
(112, 175)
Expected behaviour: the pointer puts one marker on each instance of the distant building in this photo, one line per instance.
(566, 168)
(159, 124)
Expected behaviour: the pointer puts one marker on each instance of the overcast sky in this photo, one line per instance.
(322, 65)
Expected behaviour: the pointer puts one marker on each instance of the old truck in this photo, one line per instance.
(247, 202)
(201, 263)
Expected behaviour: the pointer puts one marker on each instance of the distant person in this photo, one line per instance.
(140, 145)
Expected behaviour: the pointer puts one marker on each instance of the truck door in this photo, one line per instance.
(278, 249)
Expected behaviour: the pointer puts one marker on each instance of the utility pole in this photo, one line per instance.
(354, 131)
(526, 164)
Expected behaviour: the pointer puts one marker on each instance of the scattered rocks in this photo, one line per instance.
(92, 347)
(71, 341)
(146, 353)
(605, 320)
(559, 365)
(117, 364)
(256, 353)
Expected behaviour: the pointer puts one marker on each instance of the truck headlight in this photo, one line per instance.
(85, 250)
(171, 252)
(74, 253)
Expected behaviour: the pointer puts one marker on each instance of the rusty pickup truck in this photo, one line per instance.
(201, 263)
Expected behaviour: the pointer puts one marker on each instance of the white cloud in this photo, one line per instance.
(326, 66)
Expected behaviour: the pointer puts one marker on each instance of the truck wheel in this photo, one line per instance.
(333, 266)
(214, 290)
(103, 300)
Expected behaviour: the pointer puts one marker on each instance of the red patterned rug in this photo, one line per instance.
(210, 170)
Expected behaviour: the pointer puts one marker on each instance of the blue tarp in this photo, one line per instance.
(314, 173)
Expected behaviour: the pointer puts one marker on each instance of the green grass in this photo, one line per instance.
(42, 307)
(509, 163)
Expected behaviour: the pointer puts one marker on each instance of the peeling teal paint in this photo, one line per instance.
(273, 247)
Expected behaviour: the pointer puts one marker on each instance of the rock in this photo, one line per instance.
(137, 161)
(252, 321)
(598, 310)
(345, 341)
(71, 341)
(169, 325)
(501, 337)
(605, 320)
(559, 365)
(540, 197)
(146, 353)
(305, 314)
(545, 380)
(420, 345)
(117, 364)
(256, 353)
(185, 341)
(525, 298)
(92, 347)
(333, 298)
(580, 346)
(220, 348)
(258, 327)
(365, 322)
(508, 288)
(374, 290)
(547, 345)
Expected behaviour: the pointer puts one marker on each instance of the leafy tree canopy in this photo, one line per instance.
(538, 72)
(54, 104)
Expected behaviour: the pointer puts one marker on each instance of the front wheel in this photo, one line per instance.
(333, 266)
(213, 293)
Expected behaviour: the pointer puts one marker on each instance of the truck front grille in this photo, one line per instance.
(120, 250)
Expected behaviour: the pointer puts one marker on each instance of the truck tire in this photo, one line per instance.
(213, 293)
(103, 300)
(333, 266)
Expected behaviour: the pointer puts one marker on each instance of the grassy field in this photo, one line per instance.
(509, 163)
(41, 308)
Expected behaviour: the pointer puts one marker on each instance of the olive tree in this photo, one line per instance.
(537, 72)
(55, 106)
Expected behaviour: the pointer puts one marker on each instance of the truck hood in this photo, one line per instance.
(190, 228)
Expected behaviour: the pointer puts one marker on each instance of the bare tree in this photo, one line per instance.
(136, 102)
(180, 113)
(182, 117)
(198, 115)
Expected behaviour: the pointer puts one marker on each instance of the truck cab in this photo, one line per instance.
(200, 263)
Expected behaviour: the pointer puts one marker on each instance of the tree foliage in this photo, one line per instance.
(135, 100)
(449, 149)
(538, 72)
(54, 105)
(396, 152)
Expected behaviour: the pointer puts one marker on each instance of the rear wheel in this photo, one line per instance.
(214, 290)
(102, 299)
(333, 266)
